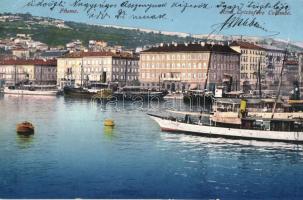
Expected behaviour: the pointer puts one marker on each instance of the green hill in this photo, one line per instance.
(54, 36)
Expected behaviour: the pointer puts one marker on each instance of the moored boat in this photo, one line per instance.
(88, 92)
(77, 92)
(134, 93)
(32, 90)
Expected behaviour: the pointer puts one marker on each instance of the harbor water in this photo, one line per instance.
(72, 155)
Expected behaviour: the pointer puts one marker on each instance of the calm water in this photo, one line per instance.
(72, 155)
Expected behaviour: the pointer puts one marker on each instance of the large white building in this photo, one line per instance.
(107, 67)
(178, 67)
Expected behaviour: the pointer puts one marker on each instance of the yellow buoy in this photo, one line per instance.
(109, 122)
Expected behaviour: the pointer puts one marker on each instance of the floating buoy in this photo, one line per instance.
(109, 122)
(25, 128)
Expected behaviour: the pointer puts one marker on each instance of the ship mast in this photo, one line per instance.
(280, 83)
(81, 76)
(208, 67)
(259, 78)
(15, 80)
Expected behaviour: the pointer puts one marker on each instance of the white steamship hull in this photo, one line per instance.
(233, 133)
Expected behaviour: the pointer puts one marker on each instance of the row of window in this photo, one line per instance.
(172, 75)
(254, 52)
(252, 59)
(47, 76)
(174, 57)
(204, 56)
(248, 75)
(46, 70)
(245, 67)
(174, 65)
(88, 77)
(123, 62)
(88, 62)
(12, 70)
(101, 61)
(122, 77)
(130, 70)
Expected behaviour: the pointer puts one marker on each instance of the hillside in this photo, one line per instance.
(56, 32)
(46, 31)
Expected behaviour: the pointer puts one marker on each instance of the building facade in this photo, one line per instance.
(273, 65)
(179, 67)
(106, 67)
(21, 53)
(252, 56)
(41, 72)
(300, 65)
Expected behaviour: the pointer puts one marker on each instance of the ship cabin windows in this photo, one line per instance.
(286, 125)
(273, 125)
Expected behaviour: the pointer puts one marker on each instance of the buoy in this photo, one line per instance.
(25, 128)
(109, 122)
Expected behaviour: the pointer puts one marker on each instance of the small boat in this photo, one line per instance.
(78, 92)
(87, 92)
(25, 128)
(32, 90)
(134, 93)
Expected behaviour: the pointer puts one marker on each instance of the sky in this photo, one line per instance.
(191, 20)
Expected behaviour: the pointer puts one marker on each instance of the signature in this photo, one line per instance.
(234, 21)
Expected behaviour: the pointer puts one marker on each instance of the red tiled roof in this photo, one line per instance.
(191, 47)
(29, 62)
(20, 49)
(246, 45)
(96, 54)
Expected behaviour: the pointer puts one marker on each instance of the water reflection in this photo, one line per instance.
(193, 139)
(109, 132)
(25, 141)
(133, 159)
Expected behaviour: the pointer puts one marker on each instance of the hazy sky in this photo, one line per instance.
(192, 20)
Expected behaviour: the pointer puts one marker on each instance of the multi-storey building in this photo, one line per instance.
(301, 69)
(252, 56)
(87, 67)
(21, 53)
(42, 72)
(273, 61)
(185, 66)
